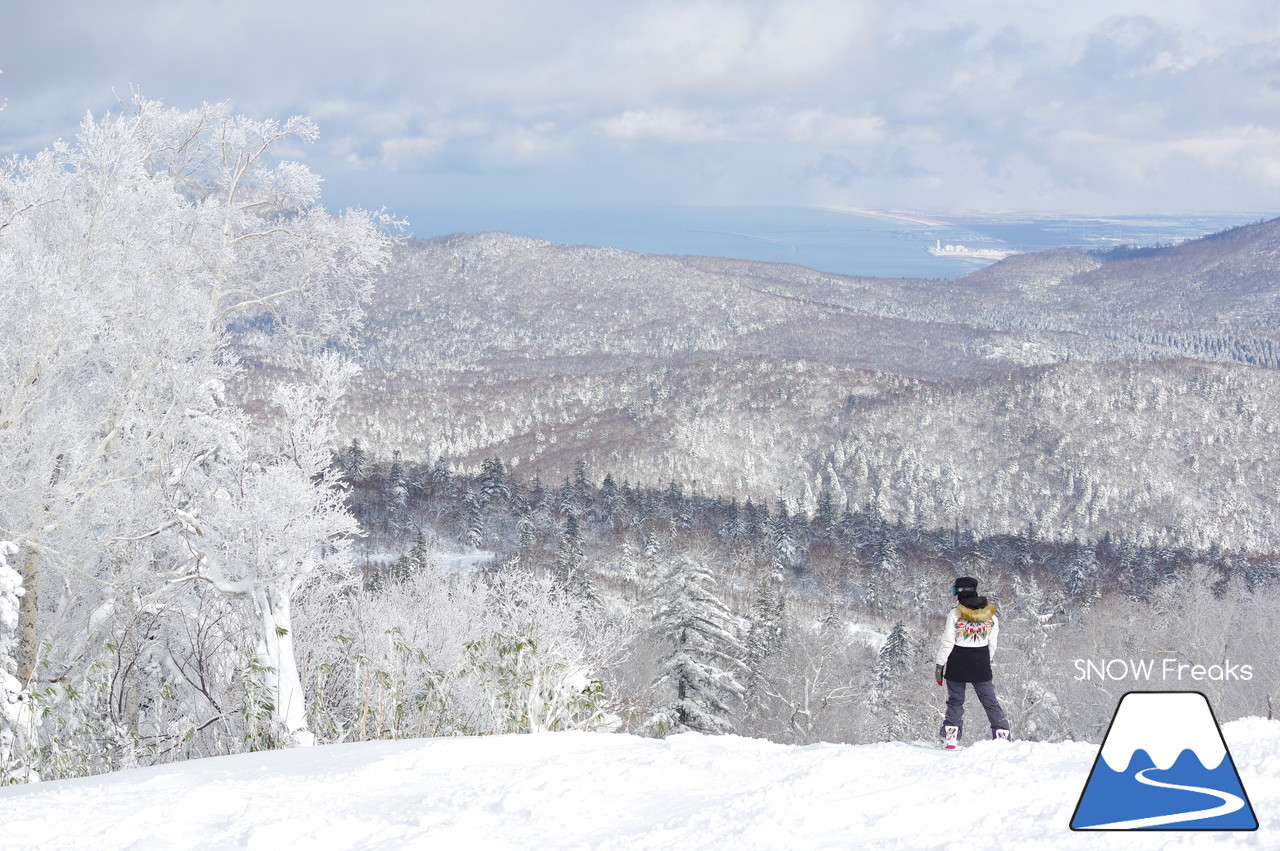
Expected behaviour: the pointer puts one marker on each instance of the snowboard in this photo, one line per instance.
(933, 746)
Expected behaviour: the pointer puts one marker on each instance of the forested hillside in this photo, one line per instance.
(830, 614)
(1080, 393)
(1181, 451)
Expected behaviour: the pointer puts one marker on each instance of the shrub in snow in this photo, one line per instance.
(441, 654)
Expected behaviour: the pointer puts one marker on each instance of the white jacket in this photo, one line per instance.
(968, 627)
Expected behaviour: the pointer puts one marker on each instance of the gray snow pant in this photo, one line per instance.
(986, 693)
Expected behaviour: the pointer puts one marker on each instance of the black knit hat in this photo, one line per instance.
(964, 584)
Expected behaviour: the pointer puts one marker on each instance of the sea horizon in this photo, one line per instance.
(863, 242)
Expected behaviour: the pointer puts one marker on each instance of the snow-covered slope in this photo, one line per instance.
(599, 791)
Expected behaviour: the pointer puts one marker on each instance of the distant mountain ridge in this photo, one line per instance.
(1225, 280)
(490, 298)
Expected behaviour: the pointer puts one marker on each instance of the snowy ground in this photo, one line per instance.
(601, 791)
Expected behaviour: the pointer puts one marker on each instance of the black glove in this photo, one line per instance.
(937, 673)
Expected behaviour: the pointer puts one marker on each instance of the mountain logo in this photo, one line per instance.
(1164, 766)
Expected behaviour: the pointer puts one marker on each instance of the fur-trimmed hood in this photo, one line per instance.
(984, 613)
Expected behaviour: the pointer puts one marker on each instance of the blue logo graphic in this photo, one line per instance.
(1164, 766)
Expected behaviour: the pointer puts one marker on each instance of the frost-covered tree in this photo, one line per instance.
(1081, 576)
(449, 654)
(13, 704)
(572, 571)
(129, 258)
(474, 520)
(732, 529)
(1031, 696)
(703, 669)
(613, 501)
(885, 699)
(569, 559)
(804, 691)
(355, 460)
(766, 624)
(397, 485)
(270, 519)
(493, 481)
(782, 545)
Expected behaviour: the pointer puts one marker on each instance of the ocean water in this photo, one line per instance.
(877, 244)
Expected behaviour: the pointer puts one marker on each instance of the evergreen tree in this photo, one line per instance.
(628, 499)
(1258, 574)
(848, 526)
(755, 519)
(1081, 578)
(824, 522)
(833, 616)
(732, 529)
(396, 493)
(702, 670)
(569, 503)
(885, 699)
(765, 630)
(676, 509)
(885, 564)
(782, 545)
(614, 501)
(1024, 549)
(526, 528)
(652, 548)
(537, 494)
(570, 559)
(411, 562)
(396, 489)
(493, 482)
(1126, 560)
(474, 520)
(401, 570)
(572, 575)
(582, 487)
(441, 477)
(357, 458)
(1145, 573)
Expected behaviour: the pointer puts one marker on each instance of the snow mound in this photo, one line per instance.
(590, 791)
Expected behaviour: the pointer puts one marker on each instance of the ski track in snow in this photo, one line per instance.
(1230, 803)
(614, 792)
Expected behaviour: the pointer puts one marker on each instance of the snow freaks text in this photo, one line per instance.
(1167, 669)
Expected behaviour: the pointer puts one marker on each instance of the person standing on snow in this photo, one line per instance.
(964, 656)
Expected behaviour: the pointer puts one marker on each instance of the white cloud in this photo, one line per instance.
(666, 125)
(522, 144)
(819, 127)
(909, 103)
(807, 127)
(407, 152)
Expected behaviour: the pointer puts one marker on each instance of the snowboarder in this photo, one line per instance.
(964, 656)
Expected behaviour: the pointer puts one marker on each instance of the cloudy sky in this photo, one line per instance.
(1092, 106)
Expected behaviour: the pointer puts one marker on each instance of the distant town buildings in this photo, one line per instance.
(940, 250)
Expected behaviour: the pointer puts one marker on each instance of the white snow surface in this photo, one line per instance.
(609, 791)
(464, 564)
(1164, 724)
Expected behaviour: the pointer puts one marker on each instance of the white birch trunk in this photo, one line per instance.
(282, 680)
